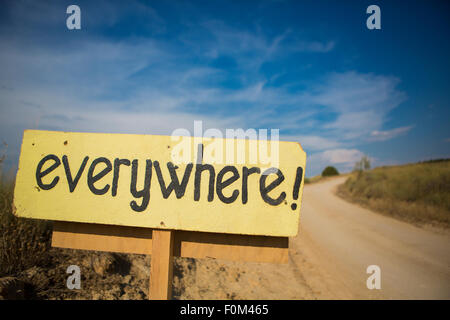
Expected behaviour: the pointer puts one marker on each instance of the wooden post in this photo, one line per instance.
(161, 268)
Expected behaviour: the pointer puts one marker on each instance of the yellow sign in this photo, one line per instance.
(165, 182)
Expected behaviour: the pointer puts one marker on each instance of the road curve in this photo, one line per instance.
(338, 240)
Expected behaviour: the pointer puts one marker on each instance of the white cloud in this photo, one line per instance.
(314, 46)
(361, 102)
(313, 143)
(341, 156)
(252, 48)
(388, 134)
(342, 159)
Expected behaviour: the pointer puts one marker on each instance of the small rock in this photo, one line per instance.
(127, 279)
(140, 267)
(125, 296)
(103, 264)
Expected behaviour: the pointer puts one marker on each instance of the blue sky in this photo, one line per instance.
(309, 68)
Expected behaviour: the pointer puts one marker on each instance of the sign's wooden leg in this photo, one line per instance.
(161, 268)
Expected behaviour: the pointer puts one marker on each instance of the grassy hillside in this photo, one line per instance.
(418, 193)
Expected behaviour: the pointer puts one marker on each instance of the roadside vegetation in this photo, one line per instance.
(418, 193)
(23, 242)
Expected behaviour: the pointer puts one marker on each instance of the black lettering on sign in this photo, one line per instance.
(180, 189)
(73, 182)
(298, 181)
(200, 154)
(145, 192)
(40, 174)
(117, 163)
(220, 185)
(93, 179)
(245, 173)
(264, 190)
(199, 168)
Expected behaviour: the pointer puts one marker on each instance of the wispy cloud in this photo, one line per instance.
(314, 46)
(314, 143)
(341, 156)
(361, 102)
(388, 134)
(343, 159)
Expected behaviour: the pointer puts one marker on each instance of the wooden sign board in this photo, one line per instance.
(129, 193)
(132, 180)
(232, 247)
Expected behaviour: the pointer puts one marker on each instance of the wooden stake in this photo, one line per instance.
(161, 269)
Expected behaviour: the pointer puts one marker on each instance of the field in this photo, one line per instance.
(416, 193)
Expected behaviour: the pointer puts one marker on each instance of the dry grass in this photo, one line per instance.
(320, 178)
(23, 242)
(418, 193)
(315, 179)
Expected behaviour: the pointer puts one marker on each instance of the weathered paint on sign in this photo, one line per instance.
(133, 180)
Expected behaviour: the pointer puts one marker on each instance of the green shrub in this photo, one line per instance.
(330, 171)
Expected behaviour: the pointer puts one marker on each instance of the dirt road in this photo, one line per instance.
(328, 259)
(339, 240)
